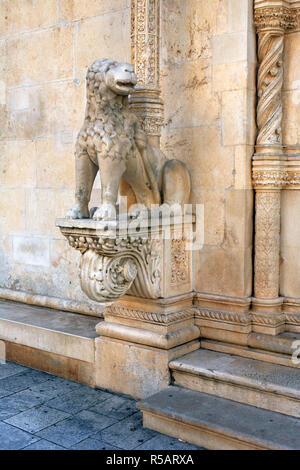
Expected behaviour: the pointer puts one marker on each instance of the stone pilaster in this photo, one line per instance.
(145, 47)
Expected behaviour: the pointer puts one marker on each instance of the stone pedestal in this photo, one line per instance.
(138, 339)
(151, 262)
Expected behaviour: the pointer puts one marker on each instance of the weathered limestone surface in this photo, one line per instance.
(46, 47)
(208, 87)
(290, 286)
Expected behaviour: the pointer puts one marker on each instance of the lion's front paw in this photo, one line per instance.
(105, 212)
(77, 212)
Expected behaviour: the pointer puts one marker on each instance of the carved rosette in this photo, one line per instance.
(112, 267)
(274, 16)
(145, 56)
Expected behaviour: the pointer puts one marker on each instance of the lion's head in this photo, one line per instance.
(109, 127)
(105, 76)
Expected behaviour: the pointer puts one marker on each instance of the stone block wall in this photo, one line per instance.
(45, 49)
(208, 87)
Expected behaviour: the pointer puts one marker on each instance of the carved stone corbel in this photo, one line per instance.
(112, 261)
(143, 274)
(149, 263)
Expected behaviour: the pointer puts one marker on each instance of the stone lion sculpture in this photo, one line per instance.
(112, 140)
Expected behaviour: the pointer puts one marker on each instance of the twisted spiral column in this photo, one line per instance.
(269, 85)
(268, 167)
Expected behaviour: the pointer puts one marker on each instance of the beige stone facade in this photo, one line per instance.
(219, 90)
(46, 48)
(207, 81)
(206, 94)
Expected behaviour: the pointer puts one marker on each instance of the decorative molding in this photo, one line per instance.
(163, 318)
(228, 317)
(267, 319)
(293, 319)
(270, 178)
(145, 39)
(217, 303)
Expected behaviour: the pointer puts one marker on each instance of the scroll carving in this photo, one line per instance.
(111, 267)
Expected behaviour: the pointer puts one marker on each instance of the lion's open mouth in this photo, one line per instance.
(126, 83)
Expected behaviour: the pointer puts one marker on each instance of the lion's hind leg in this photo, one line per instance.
(176, 183)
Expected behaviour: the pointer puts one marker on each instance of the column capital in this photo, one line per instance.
(278, 15)
(269, 172)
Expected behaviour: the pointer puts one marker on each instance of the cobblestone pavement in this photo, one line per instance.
(42, 411)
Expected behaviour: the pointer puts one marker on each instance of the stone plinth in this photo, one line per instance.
(151, 262)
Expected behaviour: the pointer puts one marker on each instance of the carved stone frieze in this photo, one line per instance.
(270, 178)
(160, 317)
(180, 271)
(267, 320)
(228, 317)
(275, 17)
(293, 319)
(267, 244)
(145, 55)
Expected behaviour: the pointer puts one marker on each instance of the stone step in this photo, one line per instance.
(261, 384)
(217, 423)
(54, 341)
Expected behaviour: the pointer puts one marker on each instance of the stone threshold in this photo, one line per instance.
(261, 384)
(217, 423)
(54, 341)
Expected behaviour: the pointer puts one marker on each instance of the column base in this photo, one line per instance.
(267, 316)
(138, 339)
(134, 369)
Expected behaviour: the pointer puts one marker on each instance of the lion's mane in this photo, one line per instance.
(109, 125)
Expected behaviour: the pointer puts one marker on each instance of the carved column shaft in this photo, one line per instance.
(269, 85)
(267, 168)
(145, 48)
(267, 244)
